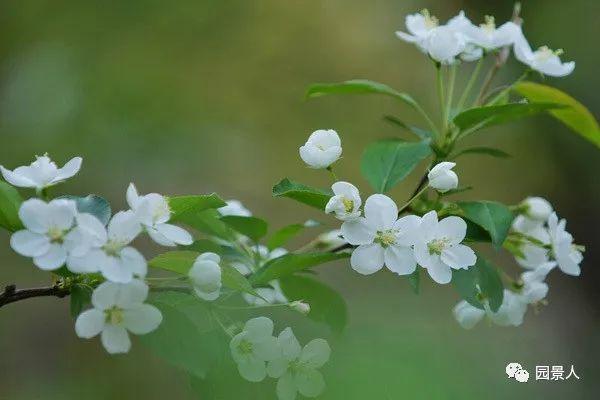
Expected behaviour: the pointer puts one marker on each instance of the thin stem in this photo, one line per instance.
(330, 169)
(216, 317)
(508, 88)
(470, 83)
(487, 82)
(452, 80)
(441, 97)
(420, 192)
(427, 118)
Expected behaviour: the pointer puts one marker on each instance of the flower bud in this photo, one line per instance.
(300, 306)
(537, 208)
(322, 149)
(442, 178)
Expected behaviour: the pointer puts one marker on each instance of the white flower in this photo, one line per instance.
(533, 255)
(153, 212)
(322, 149)
(534, 288)
(444, 44)
(467, 315)
(489, 38)
(511, 312)
(564, 252)
(47, 236)
(382, 238)
(537, 208)
(438, 247)
(419, 26)
(543, 60)
(463, 25)
(246, 266)
(300, 306)
(345, 203)
(252, 347)
(442, 178)
(205, 275)
(236, 208)
(41, 173)
(296, 368)
(118, 308)
(111, 253)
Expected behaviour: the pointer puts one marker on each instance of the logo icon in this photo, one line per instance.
(516, 371)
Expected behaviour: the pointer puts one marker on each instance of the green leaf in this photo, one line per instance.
(290, 263)
(421, 133)
(179, 261)
(233, 279)
(80, 297)
(207, 221)
(252, 227)
(313, 197)
(481, 117)
(489, 151)
(358, 86)
(182, 205)
(414, 280)
(465, 283)
(10, 202)
(495, 218)
(576, 116)
(185, 337)
(326, 305)
(92, 204)
(283, 235)
(386, 162)
(480, 281)
(205, 246)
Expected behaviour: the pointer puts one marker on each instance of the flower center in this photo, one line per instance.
(245, 347)
(430, 21)
(490, 24)
(544, 53)
(113, 248)
(436, 246)
(56, 235)
(386, 238)
(114, 316)
(348, 205)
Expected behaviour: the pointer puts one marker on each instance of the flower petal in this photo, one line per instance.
(132, 196)
(115, 339)
(175, 234)
(381, 212)
(428, 226)
(35, 215)
(286, 387)
(53, 259)
(357, 231)
(16, 179)
(113, 270)
(105, 295)
(142, 319)
(29, 244)
(310, 382)
(467, 315)
(316, 353)
(69, 170)
(266, 349)
(258, 328)
(452, 228)
(440, 272)
(400, 260)
(89, 323)
(407, 227)
(458, 256)
(290, 347)
(367, 259)
(132, 294)
(134, 261)
(252, 370)
(277, 367)
(124, 227)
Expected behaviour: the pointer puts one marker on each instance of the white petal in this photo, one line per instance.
(89, 323)
(112, 269)
(266, 349)
(206, 276)
(316, 353)
(408, 229)
(467, 315)
(208, 296)
(357, 231)
(400, 260)
(258, 328)
(458, 256)
(85, 264)
(29, 244)
(325, 138)
(252, 370)
(452, 228)
(105, 295)
(143, 319)
(286, 387)
(124, 227)
(345, 189)
(381, 212)
(310, 383)
(16, 179)
(132, 196)
(428, 226)
(134, 261)
(132, 294)
(159, 237)
(53, 259)
(290, 347)
(367, 259)
(175, 234)
(440, 169)
(440, 272)
(68, 170)
(35, 215)
(61, 213)
(277, 367)
(115, 339)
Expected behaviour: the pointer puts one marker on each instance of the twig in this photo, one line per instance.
(11, 294)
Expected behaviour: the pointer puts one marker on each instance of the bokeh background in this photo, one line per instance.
(196, 96)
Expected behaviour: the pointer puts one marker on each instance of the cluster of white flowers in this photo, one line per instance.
(258, 353)
(547, 245)
(57, 234)
(460, 39)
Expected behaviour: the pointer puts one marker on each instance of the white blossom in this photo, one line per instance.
(533, 255)
(153, 212)
(460, 23)
(543, 60)
(41, 173)
(118, 308)
(444, 44)
(322, 149)
(296, 368)
(300, 306)
(510, 313)
(253, 346)
(345, 203)
(534, 288)
(563, 250)
(442, 178)
(419, 26)
(48, 235)
(439, 249)
(537, 208)
(382, 238)
(488, 37)
(205, 275)
(467, 315)
(235, 208)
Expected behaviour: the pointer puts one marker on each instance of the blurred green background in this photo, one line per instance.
(196, 96)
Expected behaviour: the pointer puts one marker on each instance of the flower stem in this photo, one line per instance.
(330, 169)
(487, 82)
(508, 88)
(448, 108)
(470, 83)
(420, 192)
(441, 96)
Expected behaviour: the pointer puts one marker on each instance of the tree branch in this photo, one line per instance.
(11, 294)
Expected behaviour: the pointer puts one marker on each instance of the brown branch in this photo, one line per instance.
(11, 294)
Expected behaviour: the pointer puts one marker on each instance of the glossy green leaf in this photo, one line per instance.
(576, 116)
(386, 162)
(182, 205)
(92, 204)
(421, 133)
(290, 263)
(494, 217)
(233, 279)
(179, 261)
(465, 282)
(481, 117)
(488, 151)
(285, 234)
(479, 282)
(10, 202)
(79, 298)
(252, 227)
(313, 197)
(207, 221)
(205, 246)
(326, 305)
(358, 86)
